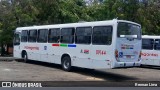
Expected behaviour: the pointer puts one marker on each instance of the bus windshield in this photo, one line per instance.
(128, 30)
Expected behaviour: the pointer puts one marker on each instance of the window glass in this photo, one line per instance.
(157, 44)
(54, 35)
(102, 35)
(42, 35)
(24, 36)
(32, 35)
(83, 35)
(128, 30)
(147, 44)
(16, 39)
(67, 35)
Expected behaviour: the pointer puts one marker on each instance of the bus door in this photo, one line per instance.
(128, 47)
(16, 43)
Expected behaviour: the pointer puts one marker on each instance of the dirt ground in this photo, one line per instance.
(37, 71)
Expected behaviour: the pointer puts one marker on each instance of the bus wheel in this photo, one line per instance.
(141, 65)
(66, 63)
(25, 57)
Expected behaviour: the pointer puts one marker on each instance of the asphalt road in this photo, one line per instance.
(11, 70)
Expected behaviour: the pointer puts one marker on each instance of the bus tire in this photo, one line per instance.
(25, 57)
(66, 63)
(142, 66)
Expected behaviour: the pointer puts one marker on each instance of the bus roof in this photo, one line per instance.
(79, 24)
(151, 36)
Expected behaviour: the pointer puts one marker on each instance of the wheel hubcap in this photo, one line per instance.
(66, 64)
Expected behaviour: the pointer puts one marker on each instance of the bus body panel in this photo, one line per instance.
(102, 56)
(150, 57)
(128, 57)
(82, 56)
(128, 50)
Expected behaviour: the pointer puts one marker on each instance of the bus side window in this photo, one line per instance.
(32, 36)
(102, 35)
(67, 35)
(54, 35)
(24, 36)
(83, 35)
(157, 44)
(42, 35)
(147, 44)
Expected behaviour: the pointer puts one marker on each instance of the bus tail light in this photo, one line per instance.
(116, 54)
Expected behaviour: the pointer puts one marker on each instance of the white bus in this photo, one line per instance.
(94, 45)
(151, 50)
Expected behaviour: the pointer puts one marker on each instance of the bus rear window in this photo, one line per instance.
(128, 30)
(147, 44)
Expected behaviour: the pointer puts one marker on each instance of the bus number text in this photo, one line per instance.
(100, 52)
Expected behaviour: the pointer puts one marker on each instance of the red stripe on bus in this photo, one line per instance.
(55, 44)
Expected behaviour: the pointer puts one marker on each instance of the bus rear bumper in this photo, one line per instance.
(126, 64)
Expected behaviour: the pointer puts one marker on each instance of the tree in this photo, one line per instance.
(20, 13)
